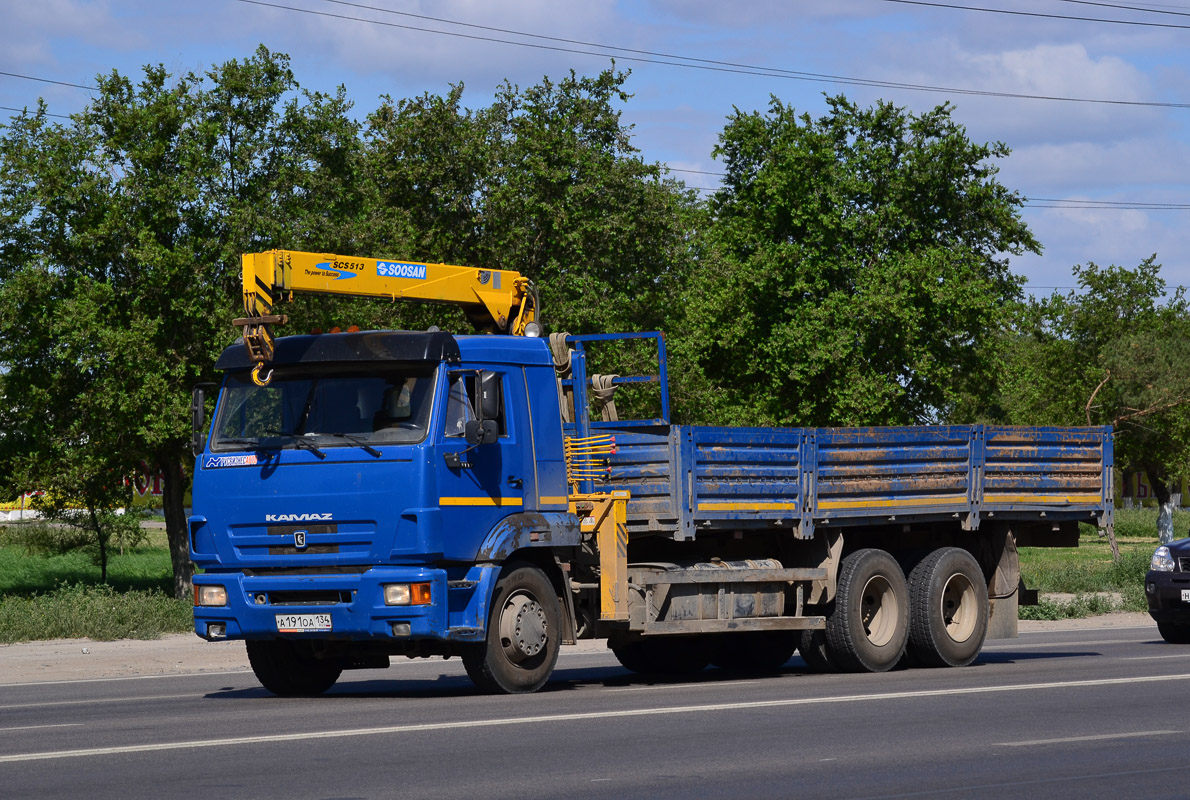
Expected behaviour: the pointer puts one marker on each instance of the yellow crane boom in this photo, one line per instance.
(496, 301)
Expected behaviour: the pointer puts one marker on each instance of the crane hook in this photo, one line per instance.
(259, 381)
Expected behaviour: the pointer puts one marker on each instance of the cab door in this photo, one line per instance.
(489, 481)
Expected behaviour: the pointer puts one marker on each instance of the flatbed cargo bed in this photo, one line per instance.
(684, 479)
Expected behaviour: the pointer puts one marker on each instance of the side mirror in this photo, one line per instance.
(488, 402)
(475, 432)
(198, 415)
(479, 432)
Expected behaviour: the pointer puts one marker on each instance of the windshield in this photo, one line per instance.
(332, 408)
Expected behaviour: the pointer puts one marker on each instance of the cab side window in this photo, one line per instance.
(463, 397)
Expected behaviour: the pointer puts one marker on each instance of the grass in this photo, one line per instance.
(60, 596)
(1089, 573)
(74, 611)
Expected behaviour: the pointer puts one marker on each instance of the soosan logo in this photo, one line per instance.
(399, 269)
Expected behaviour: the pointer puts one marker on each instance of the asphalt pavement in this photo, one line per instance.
(1064, 712)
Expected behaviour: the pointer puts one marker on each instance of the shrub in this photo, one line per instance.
(1083, 605)
(75, 611)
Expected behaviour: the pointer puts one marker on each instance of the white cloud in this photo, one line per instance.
(759, 13)
(1104, 236)
(1160, 165)
(1044, 70)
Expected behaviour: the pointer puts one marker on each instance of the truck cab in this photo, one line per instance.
(361, 503)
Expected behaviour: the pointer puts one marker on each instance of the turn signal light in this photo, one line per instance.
(407, 594)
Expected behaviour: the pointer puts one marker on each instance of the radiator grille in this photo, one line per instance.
(304, 598)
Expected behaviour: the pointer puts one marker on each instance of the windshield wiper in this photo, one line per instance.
(299, 440)
(367, 448)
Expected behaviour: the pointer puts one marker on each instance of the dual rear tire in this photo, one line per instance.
(938, 616)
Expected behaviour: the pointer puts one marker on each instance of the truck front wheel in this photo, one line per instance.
(290, 669)
(524, 633)
(949, 609)
(869, 626)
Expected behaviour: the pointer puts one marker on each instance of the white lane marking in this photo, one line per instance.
(127, 678)
(97, 700)
(577, 717)
(35, 727)
(1153, 658)
(1097, 738)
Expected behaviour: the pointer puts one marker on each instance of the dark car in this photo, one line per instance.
(1167, 588)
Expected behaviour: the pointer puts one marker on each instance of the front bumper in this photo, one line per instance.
(354, 602)
(1164, 592)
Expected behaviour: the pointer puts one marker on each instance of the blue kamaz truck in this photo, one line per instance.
(364, 495)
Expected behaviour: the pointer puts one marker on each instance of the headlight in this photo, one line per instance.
(210, 595)
(1162, 560)
(407, 594)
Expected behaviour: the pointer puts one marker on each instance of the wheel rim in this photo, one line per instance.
(523, 627)
(879, 610)
(959, 607)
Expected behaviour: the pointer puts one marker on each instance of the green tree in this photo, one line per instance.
(854, 264)
(544, 181)
(571, 203)
(120, 235)
(1115, 352)
(59, 405)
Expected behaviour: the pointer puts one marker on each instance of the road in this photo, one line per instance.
(1070, 714)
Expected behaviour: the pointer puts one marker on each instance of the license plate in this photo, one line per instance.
(302, 623)
(1186, 595)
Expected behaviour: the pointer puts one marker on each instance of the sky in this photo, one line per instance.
(1093, 98)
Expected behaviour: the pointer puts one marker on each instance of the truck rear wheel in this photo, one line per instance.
(523, 638)
(948, 599)
(289, 669)
(812, 647)
(754, 651)
(869, 626)
(664, 655)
